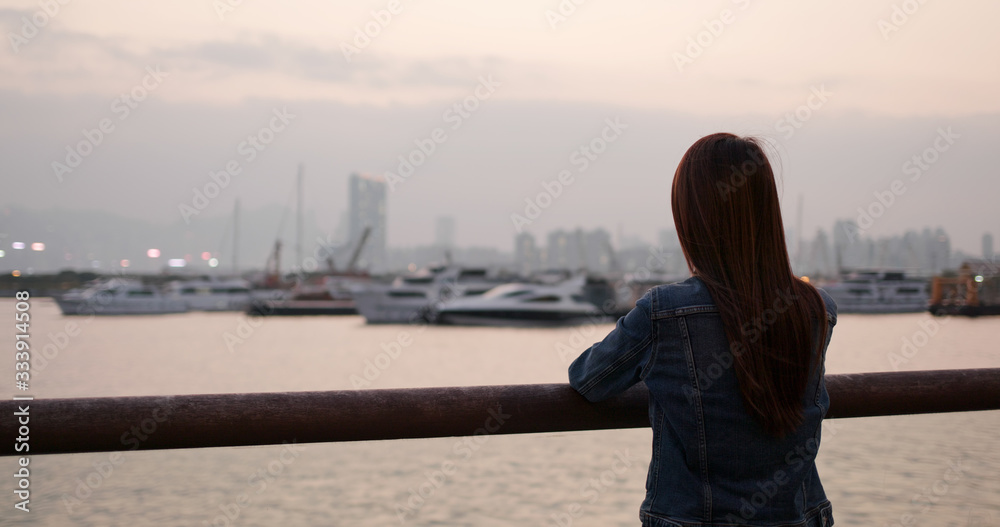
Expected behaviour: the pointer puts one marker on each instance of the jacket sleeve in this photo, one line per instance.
(616, 363)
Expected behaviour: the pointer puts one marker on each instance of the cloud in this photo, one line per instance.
(56, 57)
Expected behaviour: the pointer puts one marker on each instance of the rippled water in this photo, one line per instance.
(877, 471)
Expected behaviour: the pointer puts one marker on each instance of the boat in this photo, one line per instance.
(325, 295)
(974, 292)
(413, 298)
(214, 294)
(117, 296)
(879, 292)
(523, 304)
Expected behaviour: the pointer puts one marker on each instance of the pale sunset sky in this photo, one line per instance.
(893, 75)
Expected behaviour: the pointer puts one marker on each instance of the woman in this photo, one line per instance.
(733, 357)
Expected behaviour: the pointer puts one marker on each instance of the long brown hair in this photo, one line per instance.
(728, 218)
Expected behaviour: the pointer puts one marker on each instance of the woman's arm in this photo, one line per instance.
(616, 363)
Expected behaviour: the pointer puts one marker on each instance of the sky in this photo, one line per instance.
(137, 107)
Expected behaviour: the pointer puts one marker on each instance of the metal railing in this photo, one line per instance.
(60, 426)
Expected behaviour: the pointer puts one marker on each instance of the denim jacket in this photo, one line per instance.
(712, 463)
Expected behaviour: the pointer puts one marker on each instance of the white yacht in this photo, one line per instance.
(211, 294)
(520, 304)
(118, 296)
(413, 298)
(879, 292)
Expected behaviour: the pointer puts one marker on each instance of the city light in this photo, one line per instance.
(153, 253)
(17, 245)
(2, 253)
(979, 278)
(176, 262)
(214, 262)
(206, 255)
(15, 273)
(125, 263)
(38, 246)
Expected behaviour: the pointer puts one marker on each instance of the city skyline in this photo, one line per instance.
(602, 249)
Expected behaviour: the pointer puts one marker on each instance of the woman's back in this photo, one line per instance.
(733, 357)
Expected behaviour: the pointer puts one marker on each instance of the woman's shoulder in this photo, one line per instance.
(674, 296)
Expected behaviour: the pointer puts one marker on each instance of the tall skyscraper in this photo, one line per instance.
(367, 208)
(987, 246)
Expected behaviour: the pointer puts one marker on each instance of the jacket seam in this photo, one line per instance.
(686, 310)
(653, 334)
(702, 437)
(806, 518)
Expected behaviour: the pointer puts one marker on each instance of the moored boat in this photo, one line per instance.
(117, 296)
(974, 292)
(879, 292)
(413, 298)
(213, 294)
(523, 304)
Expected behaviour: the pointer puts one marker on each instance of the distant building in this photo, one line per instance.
(564, 250)
(579, 250)
(597, 250)
(444, 232)
(939, 251)
(527, 257)
(817, 259)
(367, 208)
(987, 246)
